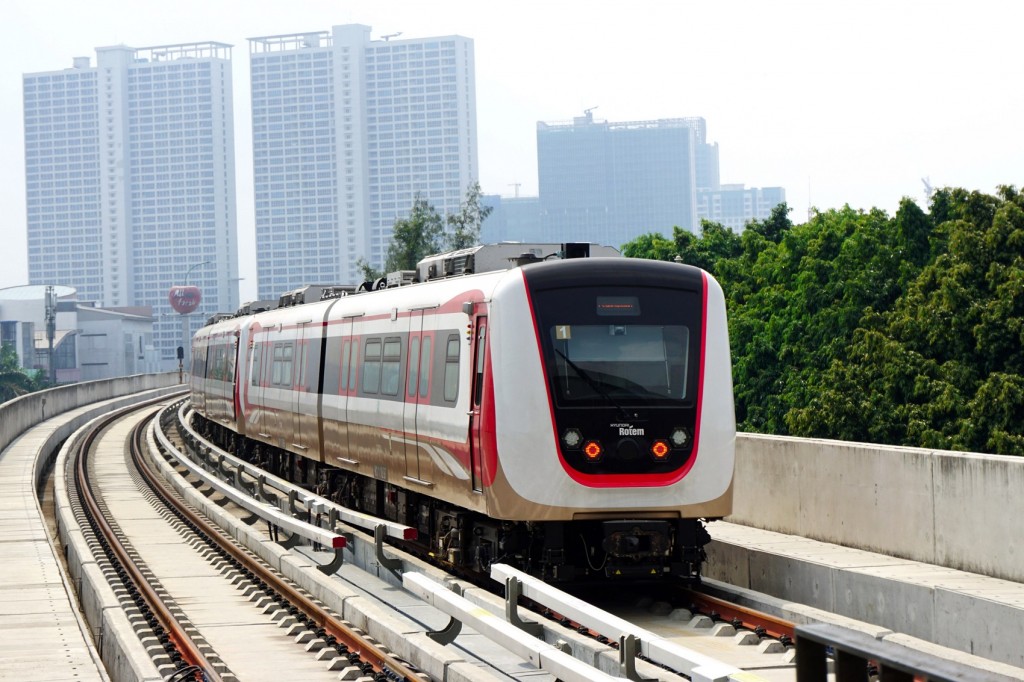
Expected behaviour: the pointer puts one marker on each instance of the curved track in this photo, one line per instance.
(143, 524)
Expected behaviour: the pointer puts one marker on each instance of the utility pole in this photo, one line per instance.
(51, 330)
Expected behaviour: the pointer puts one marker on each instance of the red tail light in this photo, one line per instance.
(593, 451)
(659, 450)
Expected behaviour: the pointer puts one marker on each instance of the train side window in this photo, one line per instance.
(232, 356)
(391, 369)
(286, 365)
(346, 350)
(302, 357)
(414, 366)
(425, 367)
(257, 363)
(282, 368)
(279, 361)
(451, 369)
(478, 373)
(275, 372)
(353, 359)
(371, 366)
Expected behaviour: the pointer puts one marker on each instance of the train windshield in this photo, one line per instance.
(620, 350)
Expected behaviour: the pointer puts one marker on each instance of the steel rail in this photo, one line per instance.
(380, 661)
(182, 642)
(741, 616)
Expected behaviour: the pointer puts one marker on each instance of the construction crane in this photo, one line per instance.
(390, 36)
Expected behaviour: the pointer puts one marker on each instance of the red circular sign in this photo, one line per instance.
(184, 299)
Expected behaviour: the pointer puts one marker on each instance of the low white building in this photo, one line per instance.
(88, 342)
(115, 342)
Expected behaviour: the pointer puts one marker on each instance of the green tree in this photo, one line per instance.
(796, 302)
(715, 243)
(414, 237)
(13, 380)
(466, 224)
(651, 246)
(368, 272)
(944, 366)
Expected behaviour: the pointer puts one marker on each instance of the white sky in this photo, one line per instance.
(838, 102)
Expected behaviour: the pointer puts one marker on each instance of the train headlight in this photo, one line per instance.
(680, 438)
(659, 450)
(593, 451)
(572, 438)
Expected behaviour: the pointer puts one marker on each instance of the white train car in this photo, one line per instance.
(572, 416)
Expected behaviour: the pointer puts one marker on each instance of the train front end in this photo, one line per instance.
(618, 433)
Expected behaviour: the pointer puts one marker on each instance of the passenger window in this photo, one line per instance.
(451, 370)
(425, 367)
(391, 370)
(257, 362)
(414, 366)
(286, 365)
(275, 376)
(353, 359)
(346, 350)
(371, 366)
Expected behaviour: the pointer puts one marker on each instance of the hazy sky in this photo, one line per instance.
(838, 102)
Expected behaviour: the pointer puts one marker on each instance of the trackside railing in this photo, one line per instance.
(856, 655)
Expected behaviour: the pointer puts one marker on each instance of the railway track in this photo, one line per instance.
(774, 656)
(154, 546)
(287, 628)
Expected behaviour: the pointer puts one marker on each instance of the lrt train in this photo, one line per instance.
(572, 416)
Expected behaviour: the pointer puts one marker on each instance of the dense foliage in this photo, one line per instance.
(905, 330)
(422, 233)
(13, 380)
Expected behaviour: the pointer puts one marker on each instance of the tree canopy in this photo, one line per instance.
(423, 232)
(14, 381)
(904, 329)
(414, 237)
(465, 225)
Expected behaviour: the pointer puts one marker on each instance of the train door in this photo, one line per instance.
(232, 376)
(300, 437)
(257, 372)
(417, 389)
(347, 376)
(476, 405)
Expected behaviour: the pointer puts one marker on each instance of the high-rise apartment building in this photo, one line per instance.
(346, 132)
(735, 205)
(130, 182)
(609, 182)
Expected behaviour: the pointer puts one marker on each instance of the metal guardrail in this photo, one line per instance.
(545, 656)
(852, 653)
(259, 510)
(236, 470)
(313, 502)
(632, 639)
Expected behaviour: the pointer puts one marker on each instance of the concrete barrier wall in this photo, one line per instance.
(953, 509)
(21, 414)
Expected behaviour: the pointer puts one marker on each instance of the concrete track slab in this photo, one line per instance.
(974, 614)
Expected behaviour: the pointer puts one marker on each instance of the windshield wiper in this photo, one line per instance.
(594, 385)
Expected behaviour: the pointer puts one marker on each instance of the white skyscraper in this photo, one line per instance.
(346, 131)
(130, 181)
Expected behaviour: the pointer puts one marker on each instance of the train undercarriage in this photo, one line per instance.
(555, 551)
